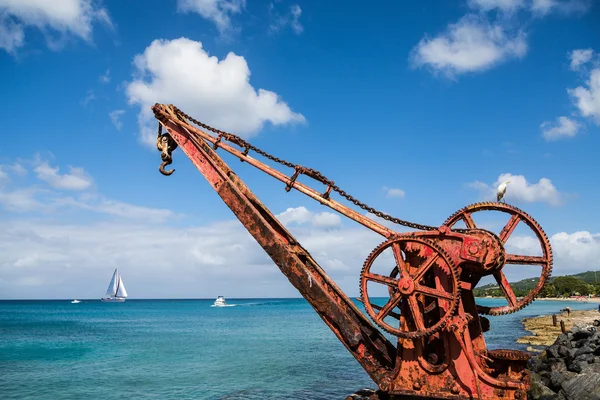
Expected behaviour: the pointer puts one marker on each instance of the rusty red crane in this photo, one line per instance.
(440, 350)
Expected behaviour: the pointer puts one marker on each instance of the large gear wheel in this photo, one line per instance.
(423, 271)
(545, 261)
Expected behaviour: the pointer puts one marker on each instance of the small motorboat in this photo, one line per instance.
(220, 302)
(75, 301)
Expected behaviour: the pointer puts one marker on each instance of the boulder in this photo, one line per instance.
(557, 378)
(584, 386)
(538, 389)
(582, 334)
(585, 349)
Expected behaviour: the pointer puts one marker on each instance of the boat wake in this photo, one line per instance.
(225, 305)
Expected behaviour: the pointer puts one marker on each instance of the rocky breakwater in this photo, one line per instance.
(569, 369)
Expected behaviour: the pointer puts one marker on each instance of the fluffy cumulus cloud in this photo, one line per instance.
(580, 57)
(563, 128)
(301, 215)
(519, 190)
(479, 41)
(217, 92)
(472, 44)
(217, 11)
(573, 252)
(75, 179)
(65, 18)
(587, 98)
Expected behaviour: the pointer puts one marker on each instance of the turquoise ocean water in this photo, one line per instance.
(185, 349)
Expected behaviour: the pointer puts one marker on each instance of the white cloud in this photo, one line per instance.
(65, 17)
(166, 261)
(587, 99)
(301, 215)
(579, 57)
(573, 252)
(520, 190)
(291, 18)
(217, 11)
(470, 45)
(542, 8)
(22, 200)
(115, 117)
(18, 197)
(103, 205)
(504, 5)
(394, 192)
(76, 179)
(563, 128)
(56, 260)
(12, 35)
(218, 92)
(105, 78)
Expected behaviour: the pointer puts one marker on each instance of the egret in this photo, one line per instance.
(502, 190)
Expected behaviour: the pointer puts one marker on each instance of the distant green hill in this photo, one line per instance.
(583, 283)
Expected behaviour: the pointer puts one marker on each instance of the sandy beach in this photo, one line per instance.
(543, 333)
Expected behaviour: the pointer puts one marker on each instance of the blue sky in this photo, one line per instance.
(416, 108)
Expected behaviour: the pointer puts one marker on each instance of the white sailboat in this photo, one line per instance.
(116, 292)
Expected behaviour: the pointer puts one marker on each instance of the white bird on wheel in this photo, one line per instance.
(502, 190)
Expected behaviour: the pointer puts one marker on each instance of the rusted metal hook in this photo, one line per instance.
(162, 168)
(165, 144)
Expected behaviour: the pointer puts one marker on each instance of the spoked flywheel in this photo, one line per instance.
(544, 261)
(423, 275)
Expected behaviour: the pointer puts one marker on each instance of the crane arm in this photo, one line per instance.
(366, 343)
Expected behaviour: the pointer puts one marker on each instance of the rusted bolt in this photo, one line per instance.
(501, 393)
(417, 385)
(385, 385)
(518, 394)
(473, 249)
(443, 229)
(455, 389)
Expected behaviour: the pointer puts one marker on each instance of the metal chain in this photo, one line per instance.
(318, 176)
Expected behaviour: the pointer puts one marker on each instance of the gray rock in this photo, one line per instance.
(535, 364)
(585, 386)
(581, 334)
(557, 378)
(578, 366)
(586, 349)
(537, 389)
(363, 394)
(558, 367)
(572, 354)
(552, 352)
(588, 358)
(563, 351)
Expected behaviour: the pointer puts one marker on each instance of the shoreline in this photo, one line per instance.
(543, 333)
(585, 300)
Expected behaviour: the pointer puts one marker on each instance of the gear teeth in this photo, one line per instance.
(453, 271)
(539, 232)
